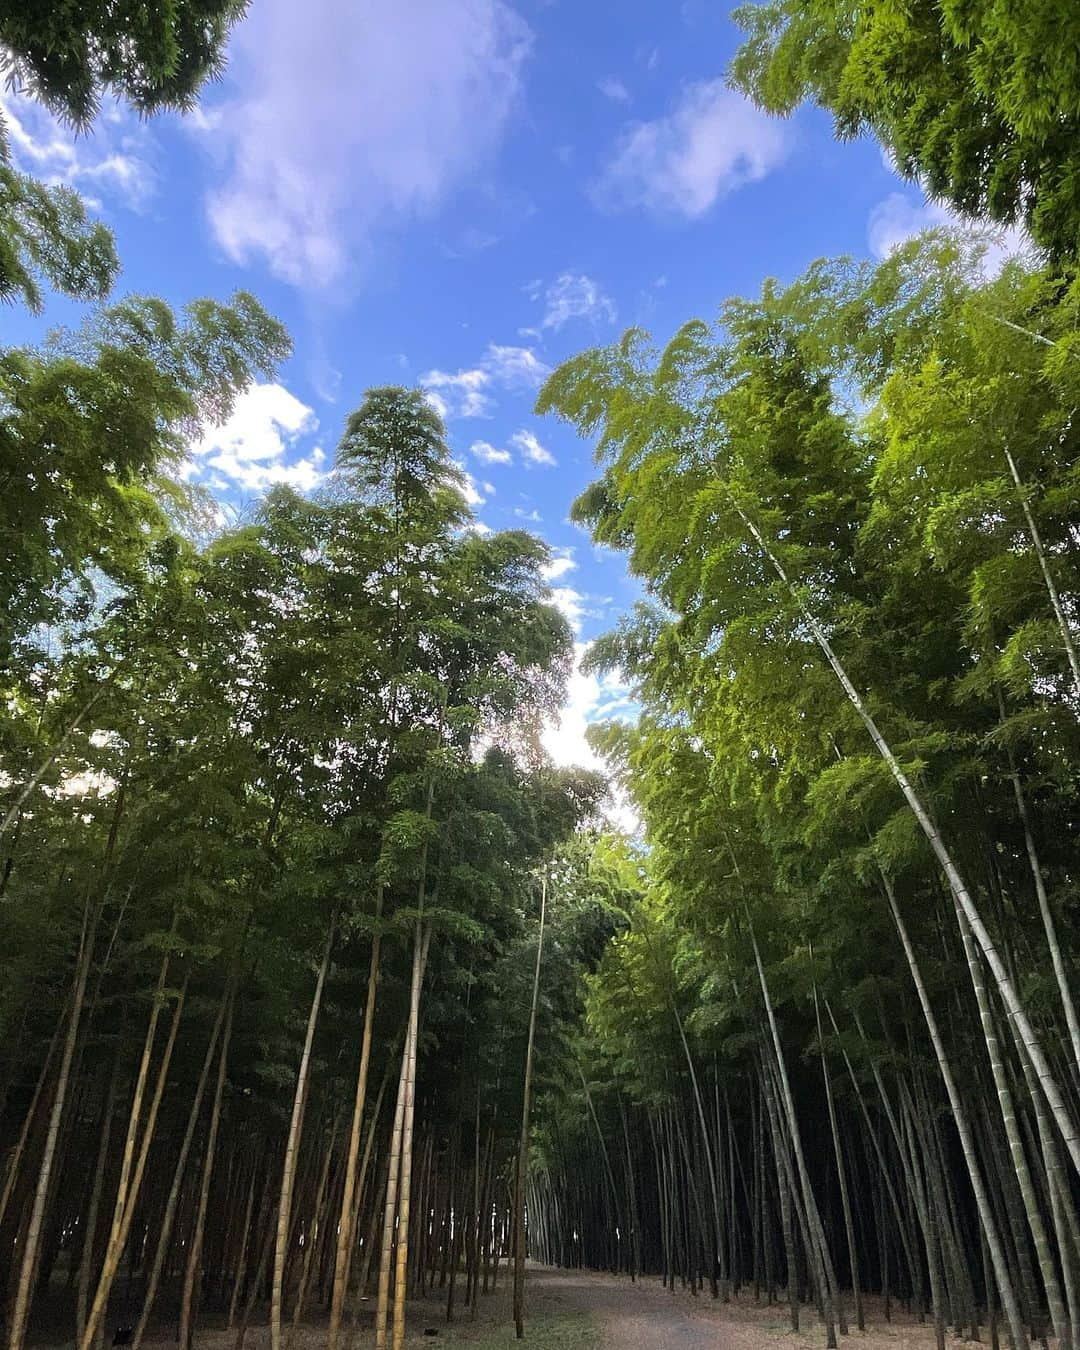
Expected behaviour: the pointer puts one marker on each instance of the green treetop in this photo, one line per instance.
(978, 99)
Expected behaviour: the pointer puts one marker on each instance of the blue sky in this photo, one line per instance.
(462, 193)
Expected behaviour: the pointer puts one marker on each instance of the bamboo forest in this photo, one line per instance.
(335, 1011)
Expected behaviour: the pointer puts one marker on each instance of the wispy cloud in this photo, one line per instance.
(571, 605)
(487, 453)
(560, 565)
(468, 393)
(900, 217)
(532, 452)
(572, 295)
(712, 142)
(113, 162)
(458, 394)
(515, 367)
(349, 118)
(614, 89)
(469, 486)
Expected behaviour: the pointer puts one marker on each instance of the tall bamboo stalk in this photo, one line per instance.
(169, 1217)
(816, 1244)
(292, 1145)
(1005, 986)
(86, 1262)
(1047, 1268)
(1017, 1333)
(346, 1223)
(522, 1170)
(422, 940)
(193, 1268)
(24, 1289)
(841, 1172)
(1057, 958)
(130, 1186)
(1064, 627)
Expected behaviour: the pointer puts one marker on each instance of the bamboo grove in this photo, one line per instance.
(835, 1045)
(322, 987)
(278, 841)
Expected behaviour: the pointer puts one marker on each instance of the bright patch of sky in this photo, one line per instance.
(458, 195)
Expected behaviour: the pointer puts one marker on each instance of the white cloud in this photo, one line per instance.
(532, 452)
(591, 698)
(534, 516)
(572, 295)
(470, 489)
(249, 450)
(561, 564)
(111, 160)
(465, 393)
(571, 604)
(711, 143)
(460, 394)
(352, 117)
(899, 217)
(614, 89)
(487, 453)
(515, 367)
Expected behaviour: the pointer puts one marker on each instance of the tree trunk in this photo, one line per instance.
(245, 1237)
(845, 1198)
(523, 1142)
(131, 1173)
(32, 1244)
(1057, 959)
(815, 1231)
(188, 1302)
(169, 1217)
(292, 1145)
(393, 1173)
(89, 1254)
(1005, 986)
(1032, 1209)
(312, 1236)
(346, 1226)
(1001, 1273)
(16, 1154)
(422, 940)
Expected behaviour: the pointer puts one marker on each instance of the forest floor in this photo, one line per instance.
(586, 1310)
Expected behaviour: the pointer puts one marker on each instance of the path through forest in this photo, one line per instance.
(587, 1310)
(643, 1315)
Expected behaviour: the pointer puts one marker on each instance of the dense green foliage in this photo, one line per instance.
(277, 832)
(69, 56)
(871, 475)
(316, 733)
(152, 56)
(45, 234)
(230, 758)
(979, 101)
(139, 381)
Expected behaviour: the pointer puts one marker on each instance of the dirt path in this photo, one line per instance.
(592, 1311)
(644, 1315)
(585, 1310)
